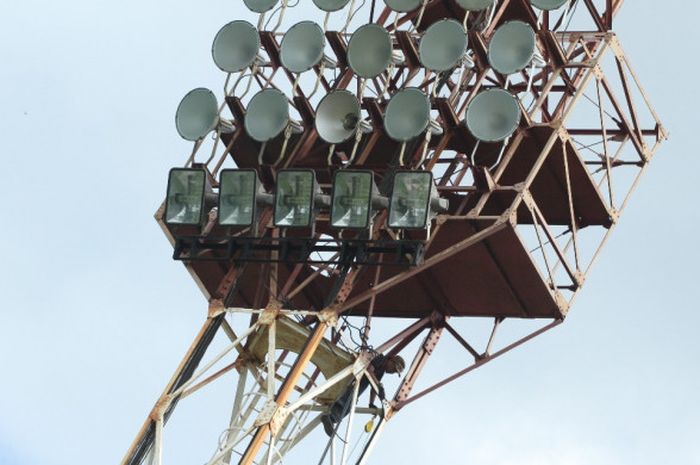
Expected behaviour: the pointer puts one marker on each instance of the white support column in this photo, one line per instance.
(351, 418)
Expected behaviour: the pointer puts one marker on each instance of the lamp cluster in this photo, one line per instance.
(369, 55)
(354, 202)
(370, 52)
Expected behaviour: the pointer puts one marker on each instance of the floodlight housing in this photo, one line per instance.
(512, 47)
(236, 46)
(407, 114)
(370, 51)
(475, 5)
(337, 116)
(267, 115)
(414, 200)
(260, 6)
(443, 45)
(295, 198)
(548, 5)
(403, 6)
(493, 115)
(330, 6)
(184, 203)
(302, 47)
(351, 205)
(238, 190)
(197, 114)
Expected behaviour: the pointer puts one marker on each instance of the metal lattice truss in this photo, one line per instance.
(517, 244)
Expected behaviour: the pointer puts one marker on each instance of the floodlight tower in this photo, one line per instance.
(445, 160)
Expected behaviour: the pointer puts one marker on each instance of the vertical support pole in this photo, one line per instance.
(271, 359)
(351, 418)
(234, 428)
(158, 447)
(333, 451)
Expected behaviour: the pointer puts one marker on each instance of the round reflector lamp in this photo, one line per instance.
(267, 115)
(443, 45)
(235, 46)
(197, 115)
(493, 115)
(407, 114)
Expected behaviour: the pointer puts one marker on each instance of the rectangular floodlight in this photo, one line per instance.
(185, 201)
(351, 206)
(237, 197)
(410, 200)
(294, 198)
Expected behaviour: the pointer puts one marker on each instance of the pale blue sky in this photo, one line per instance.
(94, 315)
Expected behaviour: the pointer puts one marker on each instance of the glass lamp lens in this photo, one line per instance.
(185, 197)
(410, 200)
(237, 197)
(294, 198)
(352, 199)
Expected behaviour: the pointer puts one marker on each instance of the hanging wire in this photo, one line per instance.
(568, 23)
(276, 10)
(351, 16)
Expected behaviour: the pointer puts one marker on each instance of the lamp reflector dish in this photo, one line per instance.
(403, 6)
(369, 51)
(197, 115)
(267, 115)
(548, 4)
(260, 6)
(475, 5)
(407, 114)
(302, 47)
(330, 5)
(337, 116)
(512, 47)
(493, 115)
(410, 199)
(185, 201)
(237, 189)
(351, 206)
(235, 46)
(294, 198)
(443, 45)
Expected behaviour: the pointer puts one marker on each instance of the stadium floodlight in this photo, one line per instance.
(548, 5)
(443, 45)
(185, 199)
(512, 47)
(407, 117)
(236, 46)
(354, 199)
(198, 114)
(239, 194)
(260, 6)
(267, 115)
(302, 47)
(370, 51)
(493, 115)
(407, 114)
(414, 200)
(403, 6)
(295, 198)
(338, 116)
(330, 6)
(475, 5)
